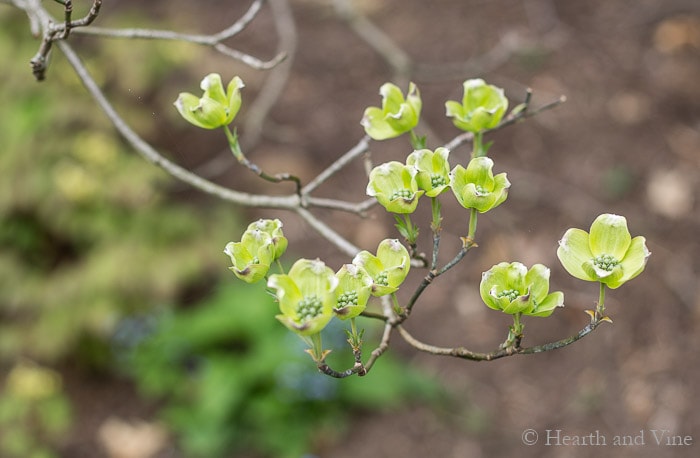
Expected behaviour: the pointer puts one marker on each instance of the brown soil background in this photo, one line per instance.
(627, 141)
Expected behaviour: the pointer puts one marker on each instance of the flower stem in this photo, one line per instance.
(316, 347)
(472, 223)
(600, 308)
(436, 227)
(416, 141)
(478, 145)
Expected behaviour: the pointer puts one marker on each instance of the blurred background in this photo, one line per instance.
(122, 334)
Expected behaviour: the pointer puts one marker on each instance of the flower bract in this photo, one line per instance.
(397, 115)
(252, 256)
(482, 107)
(512, 288)
(388, 269)
(306, 296)
(608, 254)
(477, 187)
(216, 108)
(394, 186)
(433, 170)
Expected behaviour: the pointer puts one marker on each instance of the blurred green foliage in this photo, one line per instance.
(235, 380)
(88, 230)
(34, 412)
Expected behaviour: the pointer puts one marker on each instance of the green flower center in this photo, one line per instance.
(605, 262)
(480, 191)
(347, 299)
(402, 193)
(437, 180)
(382, 279)
(510, 294)
(308, 308)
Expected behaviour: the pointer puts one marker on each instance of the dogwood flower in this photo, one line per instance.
(274, 228)
(252, 256)
(512, 288)
(388, 269)
(306, 296)
(482, 107)
(608, 254)
(397, 115)
(394, 186)
(433, 170)
(477, 187)
(353, 291)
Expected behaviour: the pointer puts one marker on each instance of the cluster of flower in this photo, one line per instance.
(310, 294)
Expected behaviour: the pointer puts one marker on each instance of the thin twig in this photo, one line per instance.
(360, 148)
(464, 353)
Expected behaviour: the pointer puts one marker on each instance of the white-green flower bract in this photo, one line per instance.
(216, 108)
(512, 288)
(306, 296)
(397, 115)
(608, 254)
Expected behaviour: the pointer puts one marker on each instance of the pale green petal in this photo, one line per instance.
(376, 126)
(392, 253)
(635, 259)
(574, 251)
(392, 98)
(421, 159)
(287, 293)
(522, 304)
(546, 307)
(233, 94)
(414, 100)
(537, 280)
(369, 262)
(609, 235)
(214, 89)
(305, 328)
(454, 109)
(479, 172)
(489, 280)
(612, 278)
(313, 277)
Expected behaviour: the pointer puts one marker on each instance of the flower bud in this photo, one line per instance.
(216, 108)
